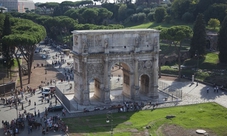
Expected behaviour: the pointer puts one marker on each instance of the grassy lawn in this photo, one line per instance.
(209, 69)
(209, 61)
(208, 116)
(155, 25)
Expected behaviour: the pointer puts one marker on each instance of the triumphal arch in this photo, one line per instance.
(97, 51)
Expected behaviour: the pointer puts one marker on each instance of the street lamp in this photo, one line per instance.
(109, 119)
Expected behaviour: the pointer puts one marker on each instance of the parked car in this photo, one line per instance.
(46, 91)
(55, 108)
(37, 50)
(44, 56)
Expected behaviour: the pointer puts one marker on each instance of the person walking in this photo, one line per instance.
(29, 102)
(22, 106)
(38, 113)
(35, 112)
(208, 89)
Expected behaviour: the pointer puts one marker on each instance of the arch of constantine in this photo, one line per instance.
(96, 52)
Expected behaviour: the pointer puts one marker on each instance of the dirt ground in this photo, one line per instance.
(38, 73)
(174, 130)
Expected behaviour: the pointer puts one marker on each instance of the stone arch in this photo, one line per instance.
(127, 77)
(96, 51)
(212, 37)
(95, 86)
(208, 42)
(111, 63)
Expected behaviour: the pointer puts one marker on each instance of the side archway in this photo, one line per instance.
(95, 89)
(144, 84)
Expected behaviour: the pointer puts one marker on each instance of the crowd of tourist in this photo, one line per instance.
(44, 123)
(31, 120)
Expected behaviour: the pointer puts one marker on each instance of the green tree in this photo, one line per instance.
(187, 17)
(176, 34)
(213, 22)
(2, 19)
(122, 12)
(180, 7)
(150, 16)
(203, 5)
(6, 49)
(47, 8)
(168, 19)
(103, 14)
(160, 14)
(216, 11)
(222, 42)
(113, 8)
(25, 34)
(90, 14)
(141, 17)
(198, 41)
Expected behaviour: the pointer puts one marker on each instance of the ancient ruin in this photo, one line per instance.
(96, 52)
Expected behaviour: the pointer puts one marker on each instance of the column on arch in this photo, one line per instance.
(135, 93)
(106, 81)
(86, 99)
(154, 79)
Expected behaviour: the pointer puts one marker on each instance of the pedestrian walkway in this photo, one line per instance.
(193, 94)
(8, 113)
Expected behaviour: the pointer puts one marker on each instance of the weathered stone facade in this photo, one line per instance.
(97, 51)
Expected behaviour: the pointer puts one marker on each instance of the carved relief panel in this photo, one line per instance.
(75, 40)
(106, 43)
(95, 70)
(90, 41)
(84, 45)
(98, 40)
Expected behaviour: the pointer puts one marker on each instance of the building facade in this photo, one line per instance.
(18, 5)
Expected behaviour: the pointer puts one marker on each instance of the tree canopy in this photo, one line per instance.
(222, 42)
(176, 34)
(213, 22)
(160, 14)
(23, 37)
(198, 41)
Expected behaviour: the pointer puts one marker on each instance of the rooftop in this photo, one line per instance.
(114, 31)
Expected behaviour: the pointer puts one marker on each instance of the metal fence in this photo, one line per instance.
(170, 90)
(6, 88)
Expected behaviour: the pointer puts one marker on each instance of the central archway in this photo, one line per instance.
(119, 82)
